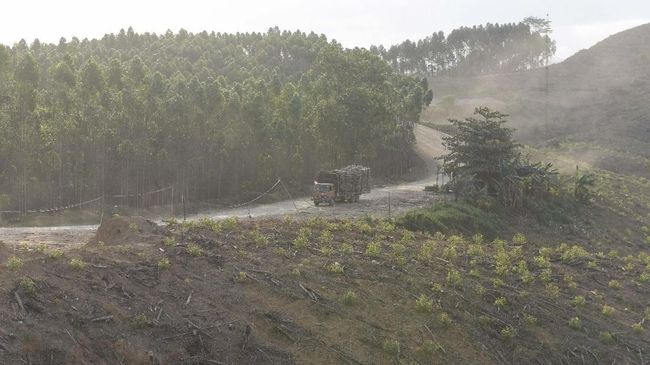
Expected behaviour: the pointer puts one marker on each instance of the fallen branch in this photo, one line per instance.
(73, 339)
(189, 297)
(20, 302)
(310, 292)
(104, 318)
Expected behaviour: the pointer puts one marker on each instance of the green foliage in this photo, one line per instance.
(391, 347)
(424, 303)
(530, 319)
(469, 51)
(77, 264)
(259, 239)
(575, 323)
(500, 302)
(232, 111)
(55, 253)
(583, 186)
(169, 241)
(508, 332)
(606, 337)
(302, 240)
(614, 284)
(444, 319)
(26, 285)
(552, 290)
(519, 239)
(194, 250)
(164, 263)
(349, 297)
(454, 278)
(607, 310)
(574, 253)
(335, 268)
(477, 152)
(346, 248)
(140, 321)
(14, 263)
(452, 217)
(241, 277)
(373, 249)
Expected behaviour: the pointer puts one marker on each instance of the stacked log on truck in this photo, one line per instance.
(345, 184)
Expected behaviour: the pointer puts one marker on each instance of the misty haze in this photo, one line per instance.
(340, 183)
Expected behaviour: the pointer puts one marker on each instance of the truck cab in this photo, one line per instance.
(323, 193)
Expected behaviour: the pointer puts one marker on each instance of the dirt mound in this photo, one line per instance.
(119, 230)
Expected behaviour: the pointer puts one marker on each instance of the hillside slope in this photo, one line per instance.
(598, 107)
(319, 292)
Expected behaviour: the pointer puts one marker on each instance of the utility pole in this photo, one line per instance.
(548, 51)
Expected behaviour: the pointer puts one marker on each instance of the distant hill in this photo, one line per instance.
(598, 102)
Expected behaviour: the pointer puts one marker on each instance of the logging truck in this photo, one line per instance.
(340, 185)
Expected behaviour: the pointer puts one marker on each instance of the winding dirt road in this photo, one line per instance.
(399, 198)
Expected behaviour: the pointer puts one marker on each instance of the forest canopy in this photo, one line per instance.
(480, 49)
(215, 114)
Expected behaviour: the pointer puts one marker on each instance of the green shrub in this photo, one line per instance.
(427, 251)
(444, 319)
(552, 290)
(14, 263)
(454, 277)
(346, 248)
(519, 239)
(164, 263)
(423, 303)
(452, 217)
(530, 319)
(608, 311)
(325, 237)
(542, 262)
(302, 240)
(614, 284)
(259, 239)
(27, 285)
(606, 337)
(349, 297)
(644, 277)
(508, 332)
(77, 264)
(373, 249)
(230, 223)
(501, 302)
(335, 268)
(391, 347)
(575, 323)
(169, 241)
(574, 253)
(578, 301)
(55, 253)
(194, 250)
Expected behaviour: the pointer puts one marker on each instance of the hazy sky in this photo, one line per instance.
(578, 23)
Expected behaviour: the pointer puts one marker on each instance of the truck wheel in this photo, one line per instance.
(356, 198)
(316, 203)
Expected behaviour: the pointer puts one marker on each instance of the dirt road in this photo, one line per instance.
(399, 198)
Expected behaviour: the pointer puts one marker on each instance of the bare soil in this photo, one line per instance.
(231, 292)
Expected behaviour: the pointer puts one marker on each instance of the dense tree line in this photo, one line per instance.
(483, 49)
(214, 114)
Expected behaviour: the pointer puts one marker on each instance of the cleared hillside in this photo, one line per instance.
(597, 102)
(319, 292)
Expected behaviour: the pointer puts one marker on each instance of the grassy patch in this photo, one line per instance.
(452, 217)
